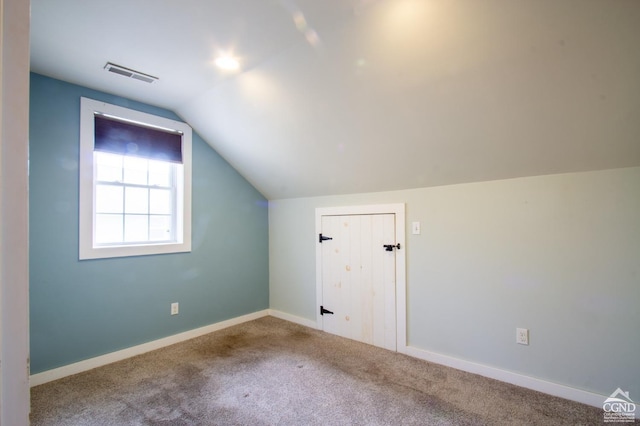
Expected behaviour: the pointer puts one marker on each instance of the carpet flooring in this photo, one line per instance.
(272, 372)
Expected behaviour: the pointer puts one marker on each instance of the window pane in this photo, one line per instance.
(136, 200)
(136, 228)
(135, 170)
(160, 201)
(108, 167)
(160, 228)
(160, 173)
(108, 228)
(108, 199)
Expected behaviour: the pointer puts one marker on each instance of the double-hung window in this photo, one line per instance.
(135, 183)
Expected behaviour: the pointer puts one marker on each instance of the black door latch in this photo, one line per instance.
(325, 311)
(390, 247)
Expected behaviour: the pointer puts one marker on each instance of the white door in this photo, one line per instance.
(359, 277)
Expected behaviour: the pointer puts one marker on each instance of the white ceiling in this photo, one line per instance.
(370, 95)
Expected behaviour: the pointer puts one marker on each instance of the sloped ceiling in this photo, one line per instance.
(345, 96)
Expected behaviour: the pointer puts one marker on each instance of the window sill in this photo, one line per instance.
(137, 250)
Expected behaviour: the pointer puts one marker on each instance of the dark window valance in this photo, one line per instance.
(119, 137)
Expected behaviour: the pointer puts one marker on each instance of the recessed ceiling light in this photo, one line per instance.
(227, 63)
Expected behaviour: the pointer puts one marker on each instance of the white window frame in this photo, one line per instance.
(87, 249)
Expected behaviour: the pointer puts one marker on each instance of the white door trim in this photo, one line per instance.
(401, 284)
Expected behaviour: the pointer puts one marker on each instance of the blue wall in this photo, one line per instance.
(82, 309)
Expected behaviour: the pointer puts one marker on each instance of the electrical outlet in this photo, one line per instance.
(522, 336)
(175, 308)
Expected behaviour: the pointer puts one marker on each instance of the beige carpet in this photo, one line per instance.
(272, 372)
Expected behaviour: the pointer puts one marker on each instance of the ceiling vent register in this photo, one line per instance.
(128, 72)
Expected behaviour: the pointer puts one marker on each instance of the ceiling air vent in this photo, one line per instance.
(128, 72)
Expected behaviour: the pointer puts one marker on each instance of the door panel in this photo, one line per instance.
(358, 278)
(385, 281)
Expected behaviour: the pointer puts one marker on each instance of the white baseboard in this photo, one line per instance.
(99, 361)
(528, 382)
(293, 318)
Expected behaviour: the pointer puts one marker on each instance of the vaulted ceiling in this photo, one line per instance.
(345, 96)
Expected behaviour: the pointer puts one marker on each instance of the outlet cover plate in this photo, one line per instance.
(522, 336)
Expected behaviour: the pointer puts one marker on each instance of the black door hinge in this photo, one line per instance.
(322, 238)
(325, 311)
